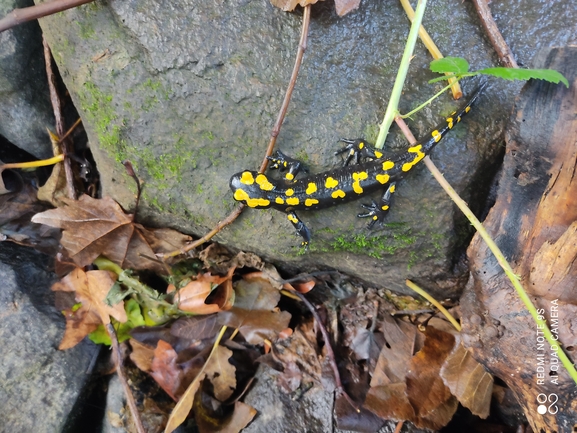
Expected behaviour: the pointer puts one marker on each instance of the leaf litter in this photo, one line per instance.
(394, 369)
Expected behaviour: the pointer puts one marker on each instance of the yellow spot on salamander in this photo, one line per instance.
(361, 145)
(436, 135)
(392, 189)
(450, 122)
(292, 218)
(311, 188)
(385, 207)
(419, 154)
(289, 176)
(467, 109)
(375, 218)
(293, 201)
(331, 183)
(378, 154)
(279, 200)
(357, 177)
(382, 178)
(264, 183)
(241, 195)
(339, 193)
(387, 165)
(289, 192)
(311, 201)
(247, 178)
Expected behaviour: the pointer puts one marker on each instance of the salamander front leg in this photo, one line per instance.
(279, 161)
(358, 149)
(302, 229)
(377, 212)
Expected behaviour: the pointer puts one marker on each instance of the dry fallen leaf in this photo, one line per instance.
(165, 370)
(90, 289)
(290, 5)
(221, 373)
(192, 297)
(252, 313)
(93, 227)
(468, 381)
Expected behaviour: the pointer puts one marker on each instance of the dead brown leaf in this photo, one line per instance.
(165, 370)
(253, 313)
(192, 297)
(468, 381)
(141, 354)
(433, 402)
(290, 5)
(90, 289)
(93, 227)
(221, 373)
(234, 423)
(343, 7)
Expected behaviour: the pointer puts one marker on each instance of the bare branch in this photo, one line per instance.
(19, 16)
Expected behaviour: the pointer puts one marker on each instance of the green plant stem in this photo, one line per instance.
(433, 301)
(428, 101)
(393, 106)
(542, 323)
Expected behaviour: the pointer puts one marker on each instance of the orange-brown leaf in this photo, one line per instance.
(90, 288)
(468, 381)
(165, 370)
(141, 354)
(192, 297)
(431, 399)
(93, 227)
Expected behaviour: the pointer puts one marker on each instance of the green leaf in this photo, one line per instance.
(100, 336)
(457, 65)
(525, 74)
(135, 318)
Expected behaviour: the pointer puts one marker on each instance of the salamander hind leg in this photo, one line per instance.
(376, 211)
(358, 149)
(302, 230)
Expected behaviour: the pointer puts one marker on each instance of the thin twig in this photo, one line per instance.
(274, 134)
(503, 51)
(330, 352)
(19, 16)
(399, 426)
(285, 103)
(59, 118)
(123, 381)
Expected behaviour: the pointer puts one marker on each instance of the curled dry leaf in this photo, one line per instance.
(90, 289)
(343, 7)
(93, 227)
(253, 313)
(192, 297)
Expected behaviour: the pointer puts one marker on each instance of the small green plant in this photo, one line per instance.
(459, 68)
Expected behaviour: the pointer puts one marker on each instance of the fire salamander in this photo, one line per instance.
(340, 185)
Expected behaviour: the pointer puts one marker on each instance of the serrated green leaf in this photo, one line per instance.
(457, 65)
(549, 75)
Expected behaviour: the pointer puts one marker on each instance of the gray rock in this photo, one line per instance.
(25, 110)
(39, 384)
(188, 91)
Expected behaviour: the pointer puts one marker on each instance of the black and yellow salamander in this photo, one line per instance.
(371, 172)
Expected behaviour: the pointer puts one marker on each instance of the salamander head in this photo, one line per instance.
(250, 188)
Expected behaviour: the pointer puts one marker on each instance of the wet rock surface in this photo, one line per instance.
(25, 110)
(39, 384)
